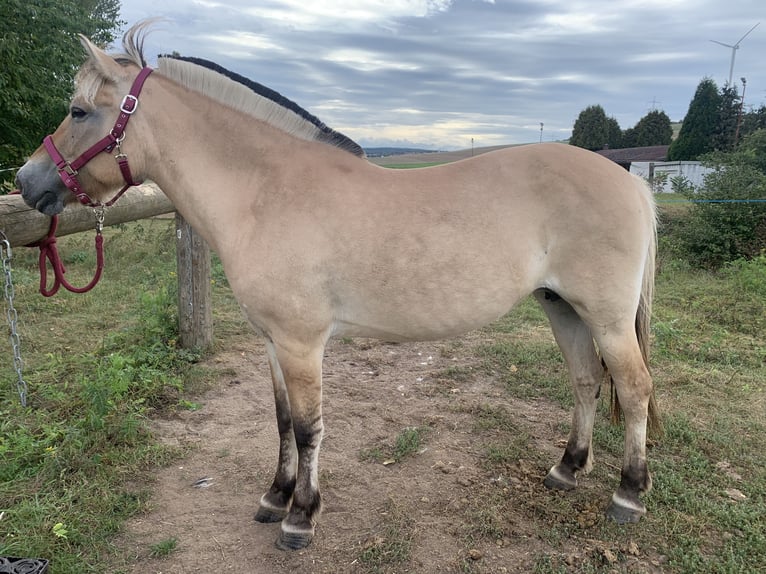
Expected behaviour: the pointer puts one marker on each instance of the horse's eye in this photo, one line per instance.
(78, 113)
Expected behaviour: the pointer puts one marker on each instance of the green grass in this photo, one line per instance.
(407, 443)
(73, 465)
(391, 545)
(98, 366)
(163, 548)
(709, 364)
(413, 165)
(524, 355)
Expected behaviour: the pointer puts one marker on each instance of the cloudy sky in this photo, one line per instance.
(439, 73)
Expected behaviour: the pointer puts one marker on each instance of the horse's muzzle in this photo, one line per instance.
(50, 202)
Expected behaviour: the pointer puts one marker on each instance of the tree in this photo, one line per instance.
(728, 114)
(752, 121)
(653, 129)
(614, 134)
(700, 124)
(39, 56)
(593, 130)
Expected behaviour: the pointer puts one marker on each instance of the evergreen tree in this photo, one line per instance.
(593, 130)
(728, 114)
(39, 56)
(630, 137)
(700, 124)
(614, 134)
(653, 129)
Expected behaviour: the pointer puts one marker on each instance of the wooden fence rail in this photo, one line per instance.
(23, 225)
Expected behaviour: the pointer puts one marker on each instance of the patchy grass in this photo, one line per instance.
(391, 544)
(709, 470)
(407, 443)
(163, 548)
(97, 365)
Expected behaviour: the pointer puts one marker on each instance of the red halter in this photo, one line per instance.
(68, 171)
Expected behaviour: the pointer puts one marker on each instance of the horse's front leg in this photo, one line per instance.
(299, 386)
(275, 504)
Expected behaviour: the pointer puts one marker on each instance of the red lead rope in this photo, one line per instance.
(49, 252)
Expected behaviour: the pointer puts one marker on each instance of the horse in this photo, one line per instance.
(318, 242)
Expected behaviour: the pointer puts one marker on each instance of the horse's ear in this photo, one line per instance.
(103, 62)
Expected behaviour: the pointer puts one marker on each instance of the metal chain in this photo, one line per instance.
(13, 317)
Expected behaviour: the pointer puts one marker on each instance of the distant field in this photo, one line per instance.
(430, 158)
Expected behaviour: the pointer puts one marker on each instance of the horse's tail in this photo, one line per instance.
(643, 320)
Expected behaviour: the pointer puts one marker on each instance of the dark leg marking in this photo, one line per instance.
(298, 526)
(563, 476)
(275, 504)
(625, 506)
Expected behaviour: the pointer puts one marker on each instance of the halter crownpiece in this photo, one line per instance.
(68, 170)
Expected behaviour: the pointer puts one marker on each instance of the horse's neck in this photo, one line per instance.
(209, 160)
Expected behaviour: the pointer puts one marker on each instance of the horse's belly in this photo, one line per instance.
(404, 320)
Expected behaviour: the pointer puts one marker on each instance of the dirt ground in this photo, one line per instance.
(411, 515)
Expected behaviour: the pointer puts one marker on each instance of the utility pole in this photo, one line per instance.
(541, 132)
(739, 116)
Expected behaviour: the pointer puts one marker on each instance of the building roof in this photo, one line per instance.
(631, 154)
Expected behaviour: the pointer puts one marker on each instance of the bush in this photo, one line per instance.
(727, 220)
(748, 276)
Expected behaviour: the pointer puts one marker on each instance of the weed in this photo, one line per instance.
(163, 548)
(407, 443)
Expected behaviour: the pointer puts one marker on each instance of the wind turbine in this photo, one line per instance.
(734, 49)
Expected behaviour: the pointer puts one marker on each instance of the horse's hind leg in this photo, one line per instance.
(620, 350)
(585, 372)
(275, 503)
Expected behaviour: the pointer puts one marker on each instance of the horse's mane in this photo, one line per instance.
(235, 91)
(253, 98)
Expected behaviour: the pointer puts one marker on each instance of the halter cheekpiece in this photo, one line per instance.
(68, 170)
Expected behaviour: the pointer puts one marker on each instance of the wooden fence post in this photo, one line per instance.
(22, 225)
(195, 319)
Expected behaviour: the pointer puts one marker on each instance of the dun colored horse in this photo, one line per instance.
(317, 242)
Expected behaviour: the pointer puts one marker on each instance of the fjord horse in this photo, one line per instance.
(317, 242)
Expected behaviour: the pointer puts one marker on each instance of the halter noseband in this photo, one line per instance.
(68, 171)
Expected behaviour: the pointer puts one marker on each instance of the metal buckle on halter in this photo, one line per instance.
(133, 100)
(69, 170)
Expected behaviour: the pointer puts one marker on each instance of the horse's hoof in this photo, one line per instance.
(557, 480)
(269, 512)
(266, 515)
(294, 540)
(625, 511)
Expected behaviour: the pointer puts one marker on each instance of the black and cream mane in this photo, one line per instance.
(237, 92)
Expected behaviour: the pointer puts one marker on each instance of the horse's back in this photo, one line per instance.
(436, 251)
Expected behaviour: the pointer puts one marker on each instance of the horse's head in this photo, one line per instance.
(70, 165)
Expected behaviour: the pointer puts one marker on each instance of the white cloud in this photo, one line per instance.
(366, 61)
(444, 71)
(302, 14)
